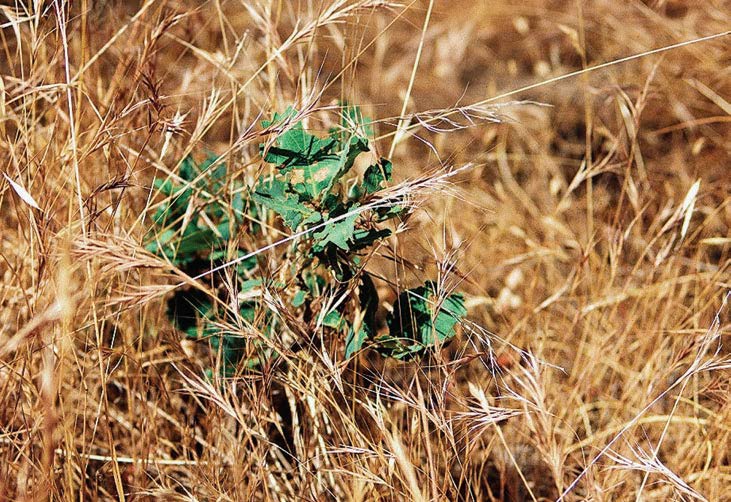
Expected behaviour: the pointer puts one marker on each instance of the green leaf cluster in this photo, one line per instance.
(311, 189)
(420, 319)
(307, 189)
(181, 230)
(194, 227)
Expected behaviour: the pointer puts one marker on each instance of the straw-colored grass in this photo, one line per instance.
(589, 226)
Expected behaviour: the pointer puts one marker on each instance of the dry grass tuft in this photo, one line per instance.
(589, 227)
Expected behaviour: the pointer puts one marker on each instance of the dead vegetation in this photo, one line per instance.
(587, 219)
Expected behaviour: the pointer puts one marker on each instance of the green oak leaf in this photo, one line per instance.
(355, 339)
(273, 194)
(364, 238)
(317, 179)
(376, 175)
(295, 146)
(420, 320)
(368, 296)
(299, 298)
(338, 233)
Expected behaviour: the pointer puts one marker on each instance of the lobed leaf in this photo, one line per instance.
(274, 194)
(421, 319)
(376, 175)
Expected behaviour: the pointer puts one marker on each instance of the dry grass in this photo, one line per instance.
(591, 233)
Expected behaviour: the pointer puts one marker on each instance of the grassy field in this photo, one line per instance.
(563, 165)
